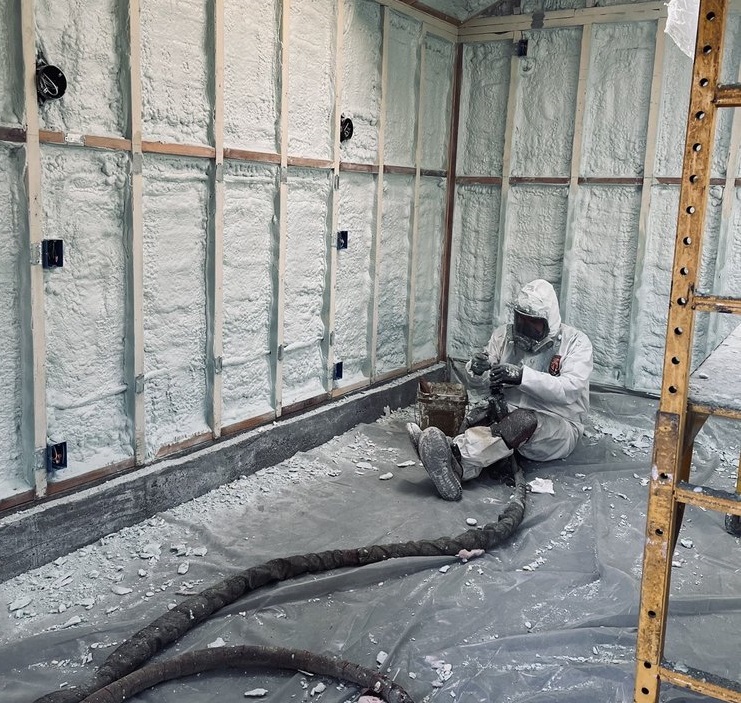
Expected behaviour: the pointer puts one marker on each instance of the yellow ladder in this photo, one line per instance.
(686, 403)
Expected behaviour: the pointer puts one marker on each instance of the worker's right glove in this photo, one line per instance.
(504, 374)
(480, 363)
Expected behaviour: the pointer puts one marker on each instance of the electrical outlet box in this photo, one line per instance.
(342, 237)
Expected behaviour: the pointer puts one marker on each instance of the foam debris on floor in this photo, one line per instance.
(551, 615)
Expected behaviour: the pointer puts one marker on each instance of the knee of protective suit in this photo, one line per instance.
(516, 428)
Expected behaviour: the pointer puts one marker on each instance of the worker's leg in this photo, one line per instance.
(553, 438)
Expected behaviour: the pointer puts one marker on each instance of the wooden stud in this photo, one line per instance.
(34, 352)
(136, 260)
(376, 243)
(649, 159)
(412, 276)
(216, 244)
(447, 247)
(576, 149)
(514, 82)
(280, 293)
(331, 277)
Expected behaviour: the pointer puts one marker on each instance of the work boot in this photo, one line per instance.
(437, 458)
(516, 428)
(414, 431)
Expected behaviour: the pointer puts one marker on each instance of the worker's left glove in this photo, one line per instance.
(505, 374)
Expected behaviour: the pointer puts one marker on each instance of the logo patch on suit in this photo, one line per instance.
(555, 366)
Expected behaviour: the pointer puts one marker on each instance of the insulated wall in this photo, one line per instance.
(569, 163)
(195, 173)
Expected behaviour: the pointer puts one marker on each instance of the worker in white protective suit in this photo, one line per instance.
(537, 372)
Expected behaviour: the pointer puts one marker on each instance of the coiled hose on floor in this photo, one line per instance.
(108, 685)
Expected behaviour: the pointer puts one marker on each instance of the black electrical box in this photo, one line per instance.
(56, 456)
(338, 371)
(342, 239)
(52, 253)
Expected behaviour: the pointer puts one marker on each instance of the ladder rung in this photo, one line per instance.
(728, 95)
(701, 682)
(709, 498)
(717, 303)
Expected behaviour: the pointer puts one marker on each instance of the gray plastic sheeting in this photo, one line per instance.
(551, 616)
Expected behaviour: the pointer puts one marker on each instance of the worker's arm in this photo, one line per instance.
(576, 368)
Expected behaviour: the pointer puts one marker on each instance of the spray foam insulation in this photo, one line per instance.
(310, 79)
(474, 264)
(361, 79)
(87, 41)
(436, 103)
(547, 80)
(484, 95)
(393, 277)
(250, 239)
(175, 227)
(620, 72)
(251, 76)
(85, 305)
(176, 71)
(404, 43)
(11, 204)
(354, 281)
(432, 196)
(307, 247)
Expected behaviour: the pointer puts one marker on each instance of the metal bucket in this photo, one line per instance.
(442, 405)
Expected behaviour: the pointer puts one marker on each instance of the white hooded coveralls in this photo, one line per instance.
(560, 402)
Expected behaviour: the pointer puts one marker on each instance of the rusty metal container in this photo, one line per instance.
(441, 405)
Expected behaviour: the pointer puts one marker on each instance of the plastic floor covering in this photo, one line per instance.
(550, 616)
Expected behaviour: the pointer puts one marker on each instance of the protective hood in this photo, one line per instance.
(538, 299)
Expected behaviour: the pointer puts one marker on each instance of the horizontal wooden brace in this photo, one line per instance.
(716, 303)
(358, 168)
(676, 181)
(189, 443)
(245, 155)
(701, 682)
(432, 173)
(432, 12)
(301, 162)
(400, 170)
(192, 150)
(479, 180)
(708, 498)
(728, 95)
(12, 134)
(539, 180)
(248, 424)
(610, 181)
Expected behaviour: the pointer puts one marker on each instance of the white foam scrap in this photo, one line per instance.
(687, 543)
(444, 569)
(382, 656)
(386, 477)
(404, 464)
(120, 590)
(466, 554)
(472, 521)
(75, 620)
(200, 551)
(19, 603)
(364, 465)
(256, 693)
(541, 485)
(319, 688)
(218, 642)
(183, 568)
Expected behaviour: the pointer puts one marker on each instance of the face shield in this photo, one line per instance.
(529, 330)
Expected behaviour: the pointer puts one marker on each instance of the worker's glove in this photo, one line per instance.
(480, 363)
(504, 375)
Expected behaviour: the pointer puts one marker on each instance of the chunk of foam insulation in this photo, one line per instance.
(354, 284)
(620, 70)
(85, 200)
(250, 232)
(474, 264)
(305, 283)
(11, 96)
(251, 77)
(84, 39)
(432, 199)
(601, 271)
(548, 78)
(310, 79)
(393, 276)
(533, 241)
(403, 91)
(436, 103)
(175, 227)
(483, 116)
(361, 79)
(12, 201)
(175, 71)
